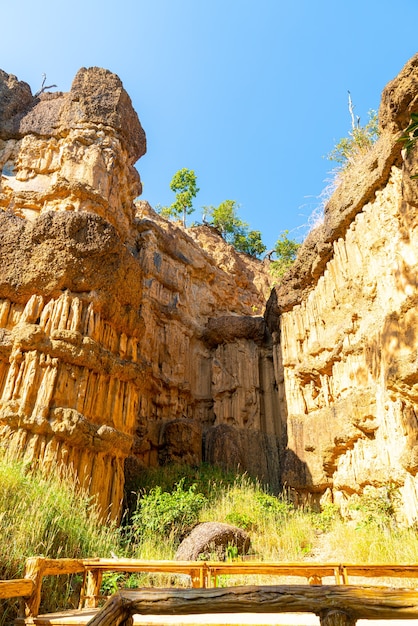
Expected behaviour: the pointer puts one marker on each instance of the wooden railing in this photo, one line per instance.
(18, 588)
(205, 574)
(336, 605)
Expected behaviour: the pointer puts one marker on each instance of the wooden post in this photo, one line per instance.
(197, 577)
(34, 570)
(93, 584)
(315, 580)
(335, 617)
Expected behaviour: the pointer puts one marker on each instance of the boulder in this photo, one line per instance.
(210, 540)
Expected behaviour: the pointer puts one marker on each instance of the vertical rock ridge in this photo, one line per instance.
(344, 322)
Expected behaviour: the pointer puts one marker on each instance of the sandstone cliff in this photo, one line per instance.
(127, 341)
(345, 326)
(121, 335)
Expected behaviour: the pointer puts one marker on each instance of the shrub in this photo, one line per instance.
(360, 139)
(376, 507)
(167, 513)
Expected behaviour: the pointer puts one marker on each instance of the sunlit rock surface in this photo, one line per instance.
(345, 326)
(108, 347)
(127, 341)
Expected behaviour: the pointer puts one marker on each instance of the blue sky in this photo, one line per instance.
(250, 94)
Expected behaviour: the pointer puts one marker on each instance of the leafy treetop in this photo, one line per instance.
(236, 232)
(285, 250)
(184, 186)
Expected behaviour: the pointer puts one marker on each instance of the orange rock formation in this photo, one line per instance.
(124, 336)
(108, 346)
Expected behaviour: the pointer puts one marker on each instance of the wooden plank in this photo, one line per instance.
(378, 570)
(306, 570)
(18, 588)
(137, 565)
(57, 567)
(346, 602)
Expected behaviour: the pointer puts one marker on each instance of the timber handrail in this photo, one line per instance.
(335, 604)
(17, 588)
(202, 573)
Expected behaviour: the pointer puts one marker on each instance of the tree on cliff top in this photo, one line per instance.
(184, 186)
(236, 232)
(285, 250)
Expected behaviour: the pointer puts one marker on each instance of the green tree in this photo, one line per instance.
(184, 186)
(285, 250)
(236, 232)
(250, 243)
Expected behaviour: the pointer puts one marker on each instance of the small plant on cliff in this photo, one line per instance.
(410, 136)
(359, 141)
(184, 186)
(233, 229)
(376, 507)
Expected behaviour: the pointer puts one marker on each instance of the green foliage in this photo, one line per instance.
(231, 553)
(285, 250)
(242, 520)
(184, 186)
(376, 507)
(410, 137)
(359, 141)
(250, 242)
(236, 232)
(47, 516)
(327, 517)
(167, 513)
(273, 505)
(225, 219)
(208, 479)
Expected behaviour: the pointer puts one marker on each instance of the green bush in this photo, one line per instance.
(242, 520)
(167, 513)
(286, 251)
(376, 507)
(328, 515)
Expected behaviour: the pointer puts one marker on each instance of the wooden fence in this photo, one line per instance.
(205, 597)
(336, 605)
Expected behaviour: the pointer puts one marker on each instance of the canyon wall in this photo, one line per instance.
(122, 336)
(345, 327)
(127, 341)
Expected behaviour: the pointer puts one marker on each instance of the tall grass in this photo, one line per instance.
(52, 517)
(47, 516)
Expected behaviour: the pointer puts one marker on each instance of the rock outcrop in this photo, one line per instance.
(121, 334)
(345, 326)
(128, 341)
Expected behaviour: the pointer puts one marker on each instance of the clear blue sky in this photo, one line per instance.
(251, 94)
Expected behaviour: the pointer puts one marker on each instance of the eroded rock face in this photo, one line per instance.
(127, 340)
(345, 326)
(74, 151)
(109, 344)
